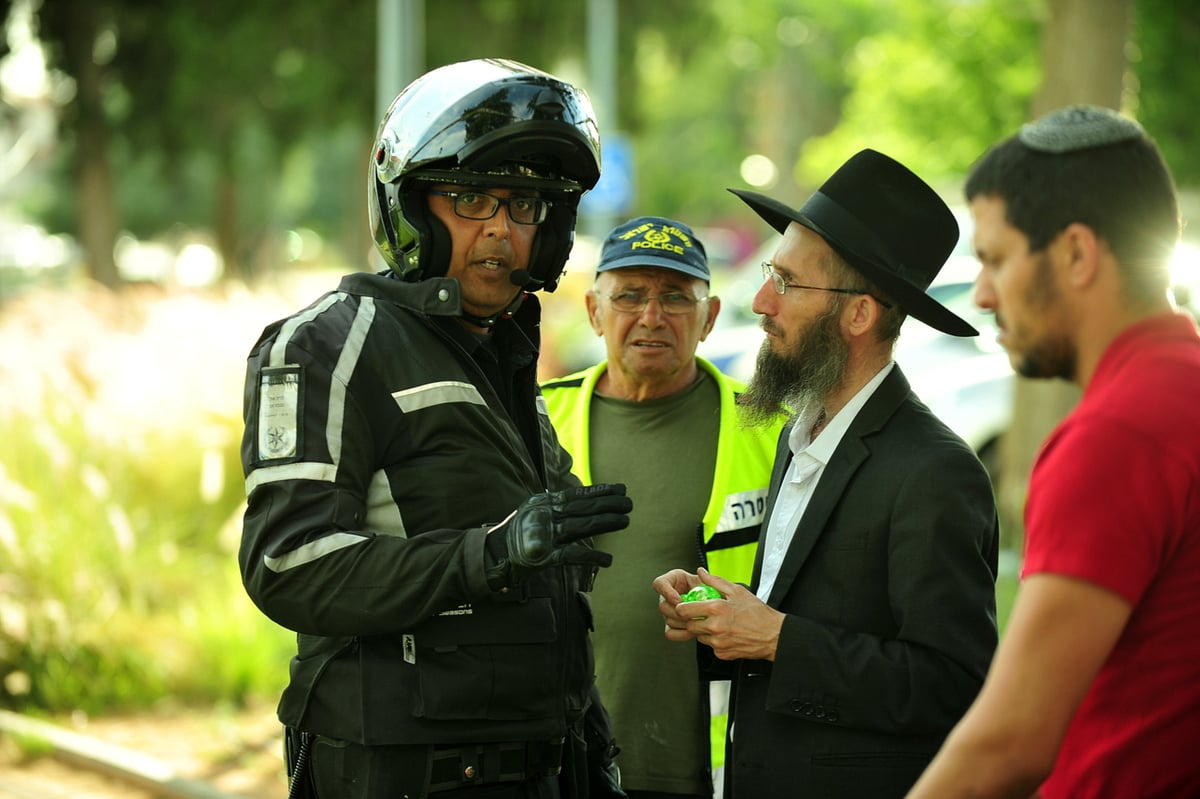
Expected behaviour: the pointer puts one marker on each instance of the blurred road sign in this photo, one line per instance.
(613, 194)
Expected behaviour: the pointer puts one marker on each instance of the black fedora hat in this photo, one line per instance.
(887, 223)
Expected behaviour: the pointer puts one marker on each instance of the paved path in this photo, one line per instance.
(47, 778)
(45, 761)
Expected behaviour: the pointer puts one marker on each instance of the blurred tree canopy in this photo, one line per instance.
(192, 112)
(246, 120)
(1164, 86)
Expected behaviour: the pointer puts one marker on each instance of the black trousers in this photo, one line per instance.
(343, 770)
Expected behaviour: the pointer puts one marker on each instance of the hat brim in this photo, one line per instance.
(652, 261)
(861, 249)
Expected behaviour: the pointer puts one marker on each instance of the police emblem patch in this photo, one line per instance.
(278, 412)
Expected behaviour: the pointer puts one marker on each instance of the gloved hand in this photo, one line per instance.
(546, 531)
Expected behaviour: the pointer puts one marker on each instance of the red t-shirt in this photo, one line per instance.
(1114, 499)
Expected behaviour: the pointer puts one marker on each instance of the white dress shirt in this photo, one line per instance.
(809, 458)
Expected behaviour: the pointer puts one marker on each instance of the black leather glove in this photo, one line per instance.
(547, 530)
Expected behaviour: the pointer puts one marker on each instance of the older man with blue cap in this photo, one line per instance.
(870, 618)
(669, 423)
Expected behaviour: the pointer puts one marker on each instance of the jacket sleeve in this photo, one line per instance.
(307, 557)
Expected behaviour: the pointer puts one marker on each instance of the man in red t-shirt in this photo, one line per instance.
(1095, 688)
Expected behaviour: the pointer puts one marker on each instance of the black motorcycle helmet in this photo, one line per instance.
(486, 122)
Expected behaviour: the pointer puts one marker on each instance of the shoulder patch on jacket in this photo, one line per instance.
(278, 412)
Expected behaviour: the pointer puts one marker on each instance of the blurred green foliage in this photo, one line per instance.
(251, 119)
(936, 87)
(120, 498)
(1163, 85)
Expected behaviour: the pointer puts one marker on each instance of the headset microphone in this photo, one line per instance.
(520, 277)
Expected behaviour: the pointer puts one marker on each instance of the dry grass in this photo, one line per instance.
(120, 495)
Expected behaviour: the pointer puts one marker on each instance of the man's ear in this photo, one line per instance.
(861, 314)
(1079, 249)
(593, 311)
(714, 309)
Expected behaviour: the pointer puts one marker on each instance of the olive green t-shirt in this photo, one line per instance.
(664, 450)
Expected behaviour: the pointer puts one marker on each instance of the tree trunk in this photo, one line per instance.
(94, 191)
(228, 232)
(1083, 56)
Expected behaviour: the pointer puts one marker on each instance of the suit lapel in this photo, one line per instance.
(847, 458)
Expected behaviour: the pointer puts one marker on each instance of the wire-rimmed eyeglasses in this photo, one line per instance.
(781, 285)
(675, 303)
(481, 205)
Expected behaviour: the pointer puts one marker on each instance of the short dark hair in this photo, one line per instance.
(1123, 191)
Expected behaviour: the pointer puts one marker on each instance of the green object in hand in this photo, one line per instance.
(700, 593)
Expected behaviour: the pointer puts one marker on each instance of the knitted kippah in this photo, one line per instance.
(1078, 127)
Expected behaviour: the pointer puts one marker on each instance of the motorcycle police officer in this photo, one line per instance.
(411, 514)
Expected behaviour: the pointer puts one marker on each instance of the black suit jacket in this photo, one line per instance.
(889, 590)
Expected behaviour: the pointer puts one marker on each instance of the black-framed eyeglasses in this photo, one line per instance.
(675, 303)
(481, 205)
(781, 285)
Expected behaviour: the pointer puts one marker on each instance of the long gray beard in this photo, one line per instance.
(798, 381)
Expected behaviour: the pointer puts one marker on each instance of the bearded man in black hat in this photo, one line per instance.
(870, 622)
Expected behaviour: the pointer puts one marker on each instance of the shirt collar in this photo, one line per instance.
(828, 439)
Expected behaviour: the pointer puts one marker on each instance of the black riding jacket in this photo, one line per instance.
(377, 452)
